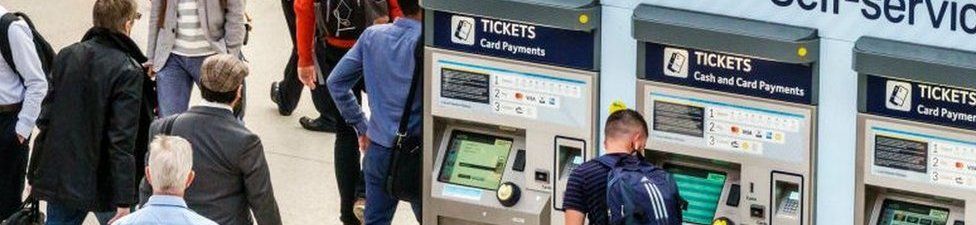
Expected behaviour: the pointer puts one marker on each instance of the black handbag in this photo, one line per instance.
(403, 179)
(29, 214)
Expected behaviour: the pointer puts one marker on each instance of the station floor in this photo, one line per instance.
(301, 162)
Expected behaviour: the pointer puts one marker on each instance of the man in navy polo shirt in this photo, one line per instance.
(586, 192)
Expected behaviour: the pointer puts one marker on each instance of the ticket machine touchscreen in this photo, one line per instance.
(894, 212)
(701, 188)
(475, 160)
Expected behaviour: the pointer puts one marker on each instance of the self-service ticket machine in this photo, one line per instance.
(731, 110)
(916, 152)
(510, 107)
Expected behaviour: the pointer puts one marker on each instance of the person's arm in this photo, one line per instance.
(234, 30)
(574, 217)
(395, 11)
(344, 76)
(35, 83)
(574, 199)
(123, 123)
(305, 40)
(257, 184)
(154, 17)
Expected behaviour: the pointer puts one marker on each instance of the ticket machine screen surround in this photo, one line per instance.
(475, 160)
(895, 212)
(701, 188)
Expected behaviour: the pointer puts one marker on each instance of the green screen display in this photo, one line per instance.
(475, 160)
(701, 188)
(905, 213)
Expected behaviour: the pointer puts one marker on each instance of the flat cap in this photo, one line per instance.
(222, 73)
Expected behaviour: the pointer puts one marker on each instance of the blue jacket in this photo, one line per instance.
(384, 57)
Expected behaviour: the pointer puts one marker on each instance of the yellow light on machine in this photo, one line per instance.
(802, 51)
(583, 18)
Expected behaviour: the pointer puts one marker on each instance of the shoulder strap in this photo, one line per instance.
(5, 22)
(418, 70)
(168, 125)
(162, 14)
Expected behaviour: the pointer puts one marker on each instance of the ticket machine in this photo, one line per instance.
(510, 107)
(731, 106)
(916, 127)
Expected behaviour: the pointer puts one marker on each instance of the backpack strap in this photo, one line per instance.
(162, 14)
(168, 125)
(5, 22)
(418, 71)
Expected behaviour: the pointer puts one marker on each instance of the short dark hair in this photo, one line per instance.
(409, 7)
(625, 122)
(218, 97)
(114, 14)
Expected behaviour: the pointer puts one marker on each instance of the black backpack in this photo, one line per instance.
(343, 19)
(44, 51)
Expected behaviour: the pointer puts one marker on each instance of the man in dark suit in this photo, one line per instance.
(228, 159)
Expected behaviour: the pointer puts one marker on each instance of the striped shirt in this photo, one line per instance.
(190, 39)
(586, 191)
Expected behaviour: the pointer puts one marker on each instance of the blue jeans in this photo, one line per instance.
(174, 82)
(62, 215)
(380, 206)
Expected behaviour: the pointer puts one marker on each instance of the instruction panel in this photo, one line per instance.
(507, 92)
(920, 155)
(727, 126)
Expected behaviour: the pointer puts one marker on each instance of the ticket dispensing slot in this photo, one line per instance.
(916, 154)
(570, 153)
(731, 107)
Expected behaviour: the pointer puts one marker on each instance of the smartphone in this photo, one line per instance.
(463, 30)
(898, 95)
(676, 62)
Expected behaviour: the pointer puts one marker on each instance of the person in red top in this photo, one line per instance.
(287, 92)
(324, 34)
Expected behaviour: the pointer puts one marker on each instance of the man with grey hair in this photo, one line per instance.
(170, 170)
(225, 153)
(86, 154)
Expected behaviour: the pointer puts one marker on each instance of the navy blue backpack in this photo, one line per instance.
(639, 193)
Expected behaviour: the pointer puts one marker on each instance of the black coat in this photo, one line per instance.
(96, 109)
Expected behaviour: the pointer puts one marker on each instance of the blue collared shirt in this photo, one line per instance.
(28, 88)
(164, 210)
(384, 57)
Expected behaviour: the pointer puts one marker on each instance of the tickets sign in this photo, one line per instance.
(514, 40)
(922, 102)
(729, 73)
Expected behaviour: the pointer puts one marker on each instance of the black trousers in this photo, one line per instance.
(13, 169)
(290, 86)
(349, 175)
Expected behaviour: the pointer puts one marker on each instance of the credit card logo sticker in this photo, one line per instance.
(462, 30)
(899, 96)
(676, 62)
